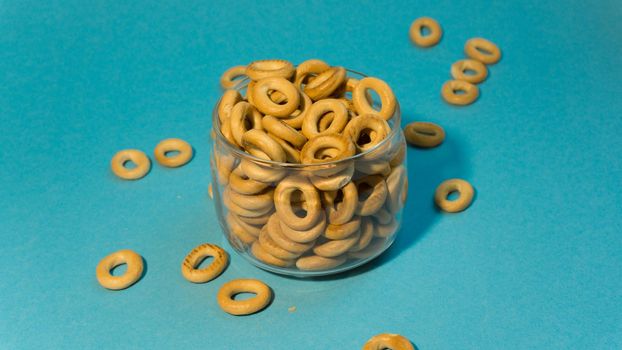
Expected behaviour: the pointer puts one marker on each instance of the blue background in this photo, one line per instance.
(535, 262)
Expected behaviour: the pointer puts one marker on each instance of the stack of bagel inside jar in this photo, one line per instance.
(310, 166)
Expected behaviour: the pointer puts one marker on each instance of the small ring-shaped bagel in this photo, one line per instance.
(232, 77)
(482, 50)
(283, 202)
(237, 231)
(295, 119)
(169, 145)
(367, 233)
(229, 99)
(282, 130)
(312, 151)
(373, 248)
(292, 155)
(262, 255)
(344, 230)
(335, 247)
(319, 263)
(263, 102)
(241, 183)
(377, 197)
(257, 201)
(251, 213)
(196, 256)
(424, 134)
(258, 220)
(388, 341)
(471, 92)
(132, 274)
(325, 83)
(387, 98)
(342, 212)
(277, 235)
(249, 92)
(329, 148)
(225, 129)
(248, 228)
(320, 109)
(270, 246)
(242, 113)
(143, 164)
(431, 38)
(366, 131)
(306, 235)
(270, 68)
(246, 306)
(307, 68)
(333, 181)
(258, 139)
(351, 83)
(326, 120)
(260, 171)
(465, 192)
(459, 68)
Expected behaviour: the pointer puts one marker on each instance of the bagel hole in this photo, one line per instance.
(453, 195)
(300, 212)
(469, 71)
(244, 91)
(297, 197)
(298, 204)
(243, 296)
(426, 132)
(483, 50)
(119, 270)
(128, 164)
(257, 152)
(277, 97)
(309, 78)
(338, 198)
(248, 124)
(459, 92)
(171, 153)
(325, 153)
(373, 99)
(299, 208)
(204, 262)
(365, 191)
(237, 79)
(424, 30)
(365, 136)
(325, 121)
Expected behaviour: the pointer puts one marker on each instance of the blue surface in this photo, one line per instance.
(535, 263)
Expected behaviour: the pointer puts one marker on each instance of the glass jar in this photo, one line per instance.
(311, 229)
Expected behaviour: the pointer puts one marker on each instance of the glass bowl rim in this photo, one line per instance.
(243, 155)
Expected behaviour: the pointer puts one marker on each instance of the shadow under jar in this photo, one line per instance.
(310, 219)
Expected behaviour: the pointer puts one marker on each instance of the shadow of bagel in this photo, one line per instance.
(427, 168)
